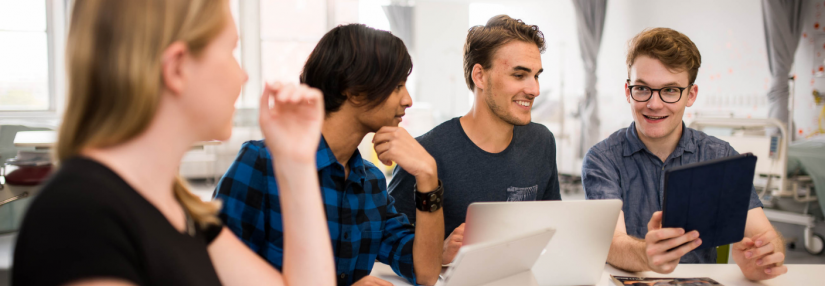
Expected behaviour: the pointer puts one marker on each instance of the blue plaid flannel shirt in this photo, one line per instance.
(362, 220)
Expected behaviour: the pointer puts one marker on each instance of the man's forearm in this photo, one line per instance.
(628, 253)
(429, 238)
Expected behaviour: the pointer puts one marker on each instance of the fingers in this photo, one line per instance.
(269, 91)
(655, 236)
(668, 244)
(677, 253)
(772, 272)
(655, 221)
(384, 134)
(773, 258)
(764, 238)
(459, 229)
(759, 251)
(744, 244)
(382, 150)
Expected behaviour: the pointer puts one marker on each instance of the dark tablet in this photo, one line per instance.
(711, 197)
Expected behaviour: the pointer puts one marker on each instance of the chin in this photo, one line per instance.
(224, 134)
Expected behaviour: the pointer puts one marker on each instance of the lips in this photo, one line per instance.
(526, 104)
(654, 119)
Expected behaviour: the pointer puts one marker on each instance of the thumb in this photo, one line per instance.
(655, 221)
(744, 244)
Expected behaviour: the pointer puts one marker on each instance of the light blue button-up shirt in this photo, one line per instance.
(621, 167)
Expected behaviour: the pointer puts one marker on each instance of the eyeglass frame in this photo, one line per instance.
(659, 91)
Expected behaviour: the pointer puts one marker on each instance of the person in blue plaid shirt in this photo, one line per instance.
(361, 72)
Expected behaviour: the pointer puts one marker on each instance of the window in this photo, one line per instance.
(280, 35)
(25, 80)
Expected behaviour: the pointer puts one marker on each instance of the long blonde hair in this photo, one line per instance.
(113, 57)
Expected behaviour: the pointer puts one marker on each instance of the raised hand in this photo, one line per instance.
(395, 144)
(665, 246)
(291, 125)
(758, 258)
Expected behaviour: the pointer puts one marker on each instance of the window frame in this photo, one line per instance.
(56, 22)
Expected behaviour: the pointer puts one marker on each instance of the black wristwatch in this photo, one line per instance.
(429, 202)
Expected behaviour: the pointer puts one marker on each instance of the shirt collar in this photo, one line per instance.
(324, 158)
(634, 144)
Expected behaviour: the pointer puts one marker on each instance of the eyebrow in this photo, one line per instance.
(673, 83)
(526, 69)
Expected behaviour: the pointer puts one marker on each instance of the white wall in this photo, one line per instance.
(734, 74)
(439, 32)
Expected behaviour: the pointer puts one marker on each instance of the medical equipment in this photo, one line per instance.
(771, 180)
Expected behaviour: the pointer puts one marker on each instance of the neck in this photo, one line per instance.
(661, 147)
(343, 133)
(488, 131)
(150, 162)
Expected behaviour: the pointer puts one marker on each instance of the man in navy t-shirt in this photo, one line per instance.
(494, 152)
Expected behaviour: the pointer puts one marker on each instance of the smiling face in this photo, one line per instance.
(654, 118)
(510, 85)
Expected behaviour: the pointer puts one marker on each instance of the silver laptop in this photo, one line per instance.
(495, 260)
(578, 251)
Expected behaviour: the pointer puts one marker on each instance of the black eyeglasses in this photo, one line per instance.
(668, 94)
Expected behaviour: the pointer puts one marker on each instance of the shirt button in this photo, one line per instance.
(346, 235)
(343, 276)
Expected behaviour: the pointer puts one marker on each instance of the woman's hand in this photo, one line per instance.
(291, 125)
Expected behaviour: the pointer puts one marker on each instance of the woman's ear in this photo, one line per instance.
(172, 70)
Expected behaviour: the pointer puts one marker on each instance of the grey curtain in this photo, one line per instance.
(590, 24)
(783, 28)
(401, 22)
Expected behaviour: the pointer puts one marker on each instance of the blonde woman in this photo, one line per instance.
(147, 79)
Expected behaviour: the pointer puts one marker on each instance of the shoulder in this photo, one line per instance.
(255, 147)
(710, 143)
(255, 155)
(439, 133)
(613, 142)
(82, 182)
(82, 192)
(538, 131)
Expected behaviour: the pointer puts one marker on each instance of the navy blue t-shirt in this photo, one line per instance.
(524, 171)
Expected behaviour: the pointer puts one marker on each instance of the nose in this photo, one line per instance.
(655, 101)
(406, 99)
(532, 88)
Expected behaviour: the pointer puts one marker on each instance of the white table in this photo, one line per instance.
(727, 274)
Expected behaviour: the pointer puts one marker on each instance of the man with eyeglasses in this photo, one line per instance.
(662, 65)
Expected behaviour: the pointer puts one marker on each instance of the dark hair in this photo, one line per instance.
(483, 41)
(359, 60)
(675, 50)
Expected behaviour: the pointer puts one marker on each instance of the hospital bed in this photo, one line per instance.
(782, 194)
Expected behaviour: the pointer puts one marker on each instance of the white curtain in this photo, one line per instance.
(401, 22)
(783, 29)
(590, 24)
